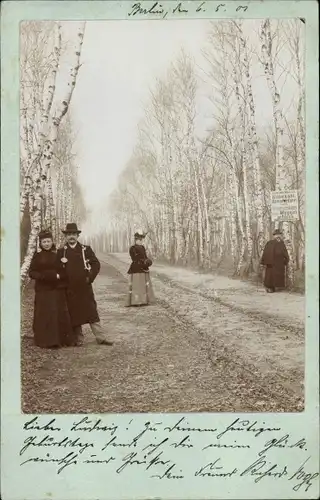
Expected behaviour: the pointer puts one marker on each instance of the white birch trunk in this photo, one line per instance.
(300, 124)
(237, 215)
(281, 175)
(242, 100)
(246, 205)
(41, 174)
(253, 142)
(233, 234)
(240, 224)
(207, 223)
(33, 159)
(199, 216)
(25, 146)
(51, 209)
(32, 241)
(46, 160)
(223, 222)
(68, 188)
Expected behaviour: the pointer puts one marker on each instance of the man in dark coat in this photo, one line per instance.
(275, 258)
(81, 267)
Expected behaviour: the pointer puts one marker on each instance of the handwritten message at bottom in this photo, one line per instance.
(244, 450)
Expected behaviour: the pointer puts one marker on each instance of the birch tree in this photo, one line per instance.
(294, 31)
(38, 78)
(224, 58)
(204, 197)
(281, 174)
(44, 125)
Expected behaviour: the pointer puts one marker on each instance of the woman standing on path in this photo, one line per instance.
(140, 286)
(51, 320)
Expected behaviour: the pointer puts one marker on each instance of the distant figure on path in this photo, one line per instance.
(275, 258)
(81, 267)
(140, 286)
(51, 321)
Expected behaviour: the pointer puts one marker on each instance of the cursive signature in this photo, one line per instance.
(260, 469)
(304, 478)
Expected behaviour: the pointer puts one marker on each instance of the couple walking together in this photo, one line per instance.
(64, 298)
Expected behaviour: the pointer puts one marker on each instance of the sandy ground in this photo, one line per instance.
(284, 307)
(208, 344)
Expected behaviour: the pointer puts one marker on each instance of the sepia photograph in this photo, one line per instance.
(162, 216)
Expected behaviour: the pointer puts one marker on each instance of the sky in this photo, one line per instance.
(120, 62)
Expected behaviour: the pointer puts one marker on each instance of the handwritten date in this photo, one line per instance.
(156, 9)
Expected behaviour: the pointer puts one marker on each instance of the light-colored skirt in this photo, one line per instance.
(140, 290)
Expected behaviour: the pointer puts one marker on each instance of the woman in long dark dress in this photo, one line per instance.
(140, 286)
(51, 320)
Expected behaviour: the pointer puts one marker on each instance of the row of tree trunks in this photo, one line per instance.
(204, 198)
(281, 174)
(45, 115)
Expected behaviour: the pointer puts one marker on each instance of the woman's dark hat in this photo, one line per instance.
(276, 231)
(45, 233)
(71, 228)
(140, 235)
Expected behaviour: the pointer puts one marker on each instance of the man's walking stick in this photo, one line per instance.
(285, 276)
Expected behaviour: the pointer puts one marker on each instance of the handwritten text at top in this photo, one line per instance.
(158, 10)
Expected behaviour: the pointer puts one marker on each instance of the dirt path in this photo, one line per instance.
(262, 332)
(284, 308)
(160, 362)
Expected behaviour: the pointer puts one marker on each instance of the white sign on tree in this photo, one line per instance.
(284, 206)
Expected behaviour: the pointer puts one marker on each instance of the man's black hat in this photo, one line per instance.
(71, 227)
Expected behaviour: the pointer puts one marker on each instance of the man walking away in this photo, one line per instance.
(275, 258)
(81, 267)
